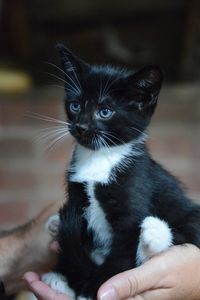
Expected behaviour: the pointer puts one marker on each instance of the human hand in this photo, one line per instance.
(28, 247)
(173, 275)
(41, 290)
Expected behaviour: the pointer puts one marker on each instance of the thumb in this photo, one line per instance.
(133, 282)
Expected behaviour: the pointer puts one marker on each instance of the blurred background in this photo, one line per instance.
(128, 33)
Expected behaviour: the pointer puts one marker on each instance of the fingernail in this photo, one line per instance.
(110, 294)
(28, 277)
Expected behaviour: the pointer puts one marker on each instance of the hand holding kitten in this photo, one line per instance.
(171, 275)
(28, 247)
(41, 290)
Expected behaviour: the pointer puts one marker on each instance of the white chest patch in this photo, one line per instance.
(92, 167)
(97, 222)
(97, 165)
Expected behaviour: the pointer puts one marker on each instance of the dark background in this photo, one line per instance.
(166, 32)
(128, 33)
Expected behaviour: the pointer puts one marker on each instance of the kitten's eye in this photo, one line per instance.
(75, 107)
(104, 113)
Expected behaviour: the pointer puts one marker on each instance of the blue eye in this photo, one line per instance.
(75, 107)
(105, 113)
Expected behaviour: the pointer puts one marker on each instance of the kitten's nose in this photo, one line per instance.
(81, 128)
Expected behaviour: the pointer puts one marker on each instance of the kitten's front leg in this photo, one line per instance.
(155, 237)
(55, 280)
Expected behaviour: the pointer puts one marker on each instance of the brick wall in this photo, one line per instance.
(31, 177)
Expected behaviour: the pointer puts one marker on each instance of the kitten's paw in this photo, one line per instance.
(52, 224)
(155, 237)
(156, 234)
(58, 283)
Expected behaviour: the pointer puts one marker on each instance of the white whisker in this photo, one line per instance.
(136, 129)
(55, 85)
(100, 89)
(104, 143)
(45, 118)
(71, 69)
(107, 138)
(55, 141)
(113, 136)
(72, 81)
(51, 134)
(105, 87)
(95, 142)
(108, 85)
(74, 88)
(54, 127)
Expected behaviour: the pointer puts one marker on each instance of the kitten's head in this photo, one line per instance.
(107, 106)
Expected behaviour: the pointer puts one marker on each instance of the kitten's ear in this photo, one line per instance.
(149, 81)
(72, 66)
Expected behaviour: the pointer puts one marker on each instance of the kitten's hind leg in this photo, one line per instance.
(155, 237)
(58, 283)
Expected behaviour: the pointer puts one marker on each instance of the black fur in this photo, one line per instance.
(141, 189)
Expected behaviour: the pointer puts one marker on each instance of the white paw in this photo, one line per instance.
(52, 224)
(155, 237)
(58, 283)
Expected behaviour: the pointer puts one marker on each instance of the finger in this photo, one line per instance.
(41, 290)
(31, 276)
(133, 282)
(164, 294)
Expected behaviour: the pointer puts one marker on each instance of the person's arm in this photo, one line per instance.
(26, 248)
(173, 275)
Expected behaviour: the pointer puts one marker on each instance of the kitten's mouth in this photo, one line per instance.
(87, 140)
(91, 143)
(95, 140)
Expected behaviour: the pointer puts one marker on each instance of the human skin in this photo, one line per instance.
(24, 248)
(173, 275)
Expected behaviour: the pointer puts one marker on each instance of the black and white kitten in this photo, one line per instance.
(123, 207)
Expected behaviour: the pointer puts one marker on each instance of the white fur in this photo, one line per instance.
(97, 165)
(99, 255)
(155, 237)
(52, 224)
(96, 219)
(58, 283)
(92, 167)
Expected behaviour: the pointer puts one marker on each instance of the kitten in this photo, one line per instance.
(123, 207)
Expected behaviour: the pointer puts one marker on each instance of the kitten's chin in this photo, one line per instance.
(86, 144)
(89, 145)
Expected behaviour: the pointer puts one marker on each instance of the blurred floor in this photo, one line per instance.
(31, 177)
